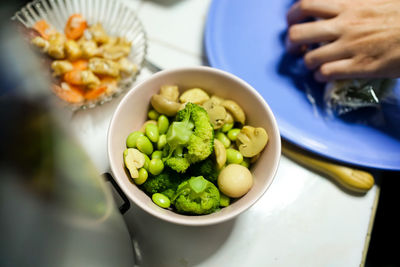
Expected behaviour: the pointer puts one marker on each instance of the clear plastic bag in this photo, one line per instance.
(344, 96)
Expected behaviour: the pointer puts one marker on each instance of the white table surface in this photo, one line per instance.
(304, 219)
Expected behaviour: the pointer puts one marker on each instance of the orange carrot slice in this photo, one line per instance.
(68, 93)
(44, 29)
(75, 26)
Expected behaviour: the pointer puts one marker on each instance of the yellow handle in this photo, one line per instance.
(352, 179)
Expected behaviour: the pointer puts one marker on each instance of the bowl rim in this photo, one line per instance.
(201, 220)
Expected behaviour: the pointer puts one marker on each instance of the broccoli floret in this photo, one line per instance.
(191, 133)
(206, 168)
(162, 182)
(196, 196)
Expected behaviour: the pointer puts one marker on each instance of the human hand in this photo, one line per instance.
(360, 38)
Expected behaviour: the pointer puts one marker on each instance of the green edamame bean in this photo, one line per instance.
(224, 201)
(163, 124)
(152, 132)
(224, 140)
(143, 174)
(162, 141)
(232, 134)
(156, 155)
(146, 162)
(144, 145)
(153, 114)
(132, 138)
(245, 162)
(233, 156)
(226, 127)
(156, 166)
(161, 200)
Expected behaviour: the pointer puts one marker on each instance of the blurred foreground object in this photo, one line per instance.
(55, 208)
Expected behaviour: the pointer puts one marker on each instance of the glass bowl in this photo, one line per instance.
(117, 19)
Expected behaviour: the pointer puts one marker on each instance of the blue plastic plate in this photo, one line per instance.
(246, 39)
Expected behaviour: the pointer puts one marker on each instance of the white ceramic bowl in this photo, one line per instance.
(132, 112)
(116, 17)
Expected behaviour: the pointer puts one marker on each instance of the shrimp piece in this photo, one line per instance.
(75, 26)
(44, 29)
(68, 93)
(81, 77)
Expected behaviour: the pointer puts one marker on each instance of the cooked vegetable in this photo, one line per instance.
(235, 180)
(153, 114)
(144, 145)
(223, 139)
(220, 153)
(165, 106)
(170, 92)
(196, 196)
(163, 124)
(192, 131)
(166, 180)
(161, 200)
(206, 168)
(134, 160)
(195, 96)
(236, 111)
(251, 141)
(156, 166)
(143, 175)
(216, 112)
(143, 129)
(224, 200)
(152, 132)
(233, 156)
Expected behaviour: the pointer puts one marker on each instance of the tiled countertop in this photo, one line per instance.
(304, 219)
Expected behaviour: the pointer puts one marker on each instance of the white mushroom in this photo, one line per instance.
(236, 111)
(220, 153)
(251, 141)
(134, 160)
(164, 105)
(170, 92)
(195, 96)
(216, 113)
